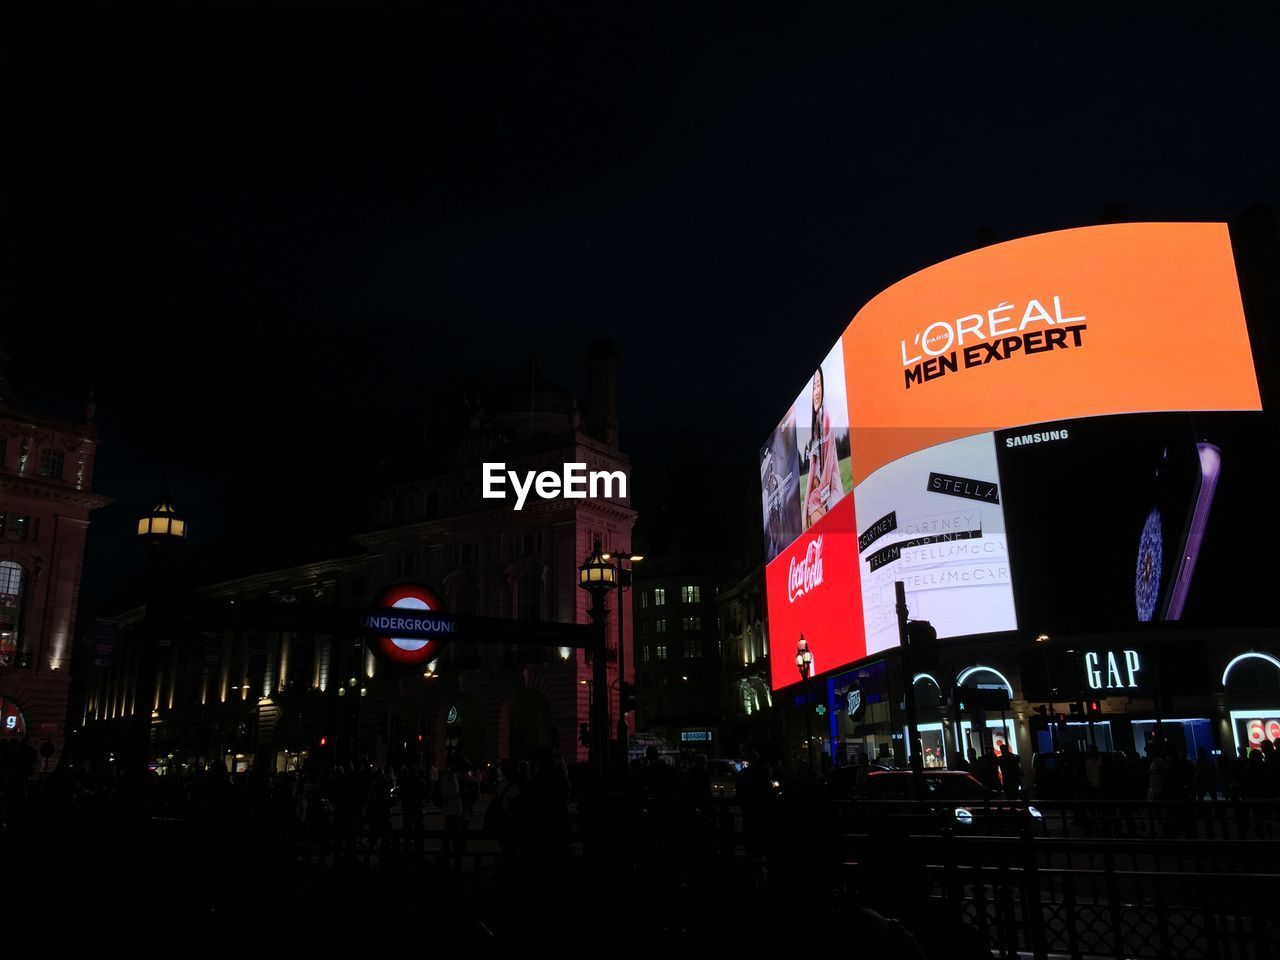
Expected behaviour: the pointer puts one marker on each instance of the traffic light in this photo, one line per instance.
(584, 734)
(1095, 708)
(1076, 708)
(923, 640)
(1043, 710)
(627, 697)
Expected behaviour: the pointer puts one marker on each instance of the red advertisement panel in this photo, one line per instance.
(813, 589)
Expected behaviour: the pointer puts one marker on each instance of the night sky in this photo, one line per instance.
(266, 238)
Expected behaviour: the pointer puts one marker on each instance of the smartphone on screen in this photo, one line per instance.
(1185, 477)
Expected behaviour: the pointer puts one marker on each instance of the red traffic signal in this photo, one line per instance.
(1095, 708)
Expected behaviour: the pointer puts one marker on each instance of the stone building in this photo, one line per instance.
(46, 496)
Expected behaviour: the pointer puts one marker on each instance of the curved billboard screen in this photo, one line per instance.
(1049, 433)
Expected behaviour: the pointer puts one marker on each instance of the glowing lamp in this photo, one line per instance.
(163, 525)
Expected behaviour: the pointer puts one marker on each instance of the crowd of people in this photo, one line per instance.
(1167, 774)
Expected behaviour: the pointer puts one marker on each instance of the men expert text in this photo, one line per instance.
(573, 482)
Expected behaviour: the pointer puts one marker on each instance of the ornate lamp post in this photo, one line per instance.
(624, 581)
(804, 663)
(161, 531)
(598, 576)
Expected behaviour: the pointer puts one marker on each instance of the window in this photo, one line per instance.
(644, 653)
(10, 611)
(659, 596)
(644, 627)
(659, 626)
(690, 594)
(20, 528)
(692, 648)
(528, 543)
(51, 463)
(660, 650)
(644, 600)
(691, 623)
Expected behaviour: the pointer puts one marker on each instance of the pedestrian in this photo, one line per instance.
(1206, 778)
(456, 811)
(1011, 772)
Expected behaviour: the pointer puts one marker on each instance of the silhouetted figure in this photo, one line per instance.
(1206, 777)
(1010, 772)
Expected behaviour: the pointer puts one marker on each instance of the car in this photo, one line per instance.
(847, 782)
(953, 799)
(724, 777)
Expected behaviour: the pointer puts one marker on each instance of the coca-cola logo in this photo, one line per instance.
(806, 573)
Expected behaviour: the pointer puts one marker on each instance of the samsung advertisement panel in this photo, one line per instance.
(1061, 410)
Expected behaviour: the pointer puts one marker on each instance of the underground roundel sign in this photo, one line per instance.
(414, 600)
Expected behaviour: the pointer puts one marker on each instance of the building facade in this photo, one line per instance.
(1216, 690)
(46, 497)
(747, 707)
(678, 660)
(256, 677)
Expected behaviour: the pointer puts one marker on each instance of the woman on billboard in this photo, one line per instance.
(825, 488)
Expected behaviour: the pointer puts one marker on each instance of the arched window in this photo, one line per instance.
(11, 584)
(51, 463)
(982, 677)
(1252, 673)
(928, 691)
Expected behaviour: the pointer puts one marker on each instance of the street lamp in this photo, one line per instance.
(162, 527)
(598, 576)
(804, 664)
(624, 581)
(161, 531)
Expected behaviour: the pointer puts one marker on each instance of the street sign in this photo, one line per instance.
(409, 629)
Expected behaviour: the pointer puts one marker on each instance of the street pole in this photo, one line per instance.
(622, 670)
(599, 686)
(909, 691)
(808, 721)
(148, 663)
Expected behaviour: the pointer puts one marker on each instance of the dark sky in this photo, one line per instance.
(265, 237)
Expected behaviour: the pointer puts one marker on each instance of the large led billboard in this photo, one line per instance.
(1060, 409)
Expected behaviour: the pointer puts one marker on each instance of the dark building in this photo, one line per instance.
(46, 496)
(747, 710)
(233, 689)
(678, 666)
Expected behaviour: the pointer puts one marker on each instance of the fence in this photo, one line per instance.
(1039, 896)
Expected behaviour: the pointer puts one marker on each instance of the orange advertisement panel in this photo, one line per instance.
(1121, 318)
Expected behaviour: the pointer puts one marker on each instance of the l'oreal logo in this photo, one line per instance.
(806, 574)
